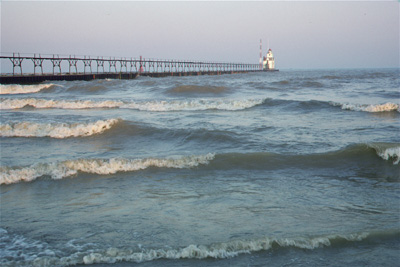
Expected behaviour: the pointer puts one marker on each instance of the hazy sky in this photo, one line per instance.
(302, 34)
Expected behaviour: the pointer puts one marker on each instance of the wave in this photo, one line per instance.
(56, 130)
(41, 253)
(387, 107)
(59, 170)
(220, 250)
(13, 89)
(362, 154)
(188, 105)
(89, 88)
(62, 104)
(387, 151)
(195, 89)
(161, 105)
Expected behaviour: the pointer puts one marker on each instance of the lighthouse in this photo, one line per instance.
(269, 61)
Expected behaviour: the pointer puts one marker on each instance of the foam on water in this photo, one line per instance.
(62, 104)
(388, 153)
(42, 254)
(59, 170)
(173, 105)
(192, 105)
(220, 250)
(370, 108)
(55, 130)
(12, 89)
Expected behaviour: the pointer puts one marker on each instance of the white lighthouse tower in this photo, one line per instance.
(269, 61)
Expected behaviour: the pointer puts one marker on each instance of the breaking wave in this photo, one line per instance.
(40, 253)
(56, 130)
(62, 104)
(217, 251)
(171, 105)
(59, 170)
(387, 107)
(387, 152)
(361, 154)
(13, 89)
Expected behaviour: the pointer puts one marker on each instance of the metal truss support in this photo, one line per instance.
(123, 64)
(37, 62)
(16, 61)
(99, 63)
(56, 63)
(112, 63)
(72, 61)
(87, 63)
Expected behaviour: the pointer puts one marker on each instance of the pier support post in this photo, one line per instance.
(100, 63)
(122, 63)
(16, 61)
(56, 62)
(72, 63)
(112, 63)
(87, 63)
(37, 62)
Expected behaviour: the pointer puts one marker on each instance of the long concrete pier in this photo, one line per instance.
(80, 68)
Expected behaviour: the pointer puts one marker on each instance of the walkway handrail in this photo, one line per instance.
(134, 65)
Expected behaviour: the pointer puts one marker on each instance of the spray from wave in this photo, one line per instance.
(162, 105)
(387, 152)
(13, 89)
(56, 130)
(69, 168)
(387, 107)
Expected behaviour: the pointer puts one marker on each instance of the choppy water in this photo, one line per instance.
(294, 168)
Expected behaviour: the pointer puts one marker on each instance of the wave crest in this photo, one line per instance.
(387, 107)
(12, 89)
(161, 105)
(217, 251)
(387, 152)
(61, 130)
(68, 168)
(39, 253)
(62, 104)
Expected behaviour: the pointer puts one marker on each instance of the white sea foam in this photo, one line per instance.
(370, 108)
(55, 130)
(61, 104)
(391, 153)
(201, 104)
(59, 170)
(218, 251)
(41, 254)
(173, 105)
(12, 89)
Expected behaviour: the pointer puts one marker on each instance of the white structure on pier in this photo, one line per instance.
(269, 61)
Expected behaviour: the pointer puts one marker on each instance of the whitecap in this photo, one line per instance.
(387, 107)
(59, 170)
(12, 89)
(55, 130)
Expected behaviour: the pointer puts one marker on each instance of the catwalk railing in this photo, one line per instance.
(96, 65)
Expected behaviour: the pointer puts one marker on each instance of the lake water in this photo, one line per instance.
(288, 168)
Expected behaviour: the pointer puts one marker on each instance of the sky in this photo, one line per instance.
(301, 34)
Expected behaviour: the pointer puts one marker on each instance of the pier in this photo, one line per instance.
(71, 68)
